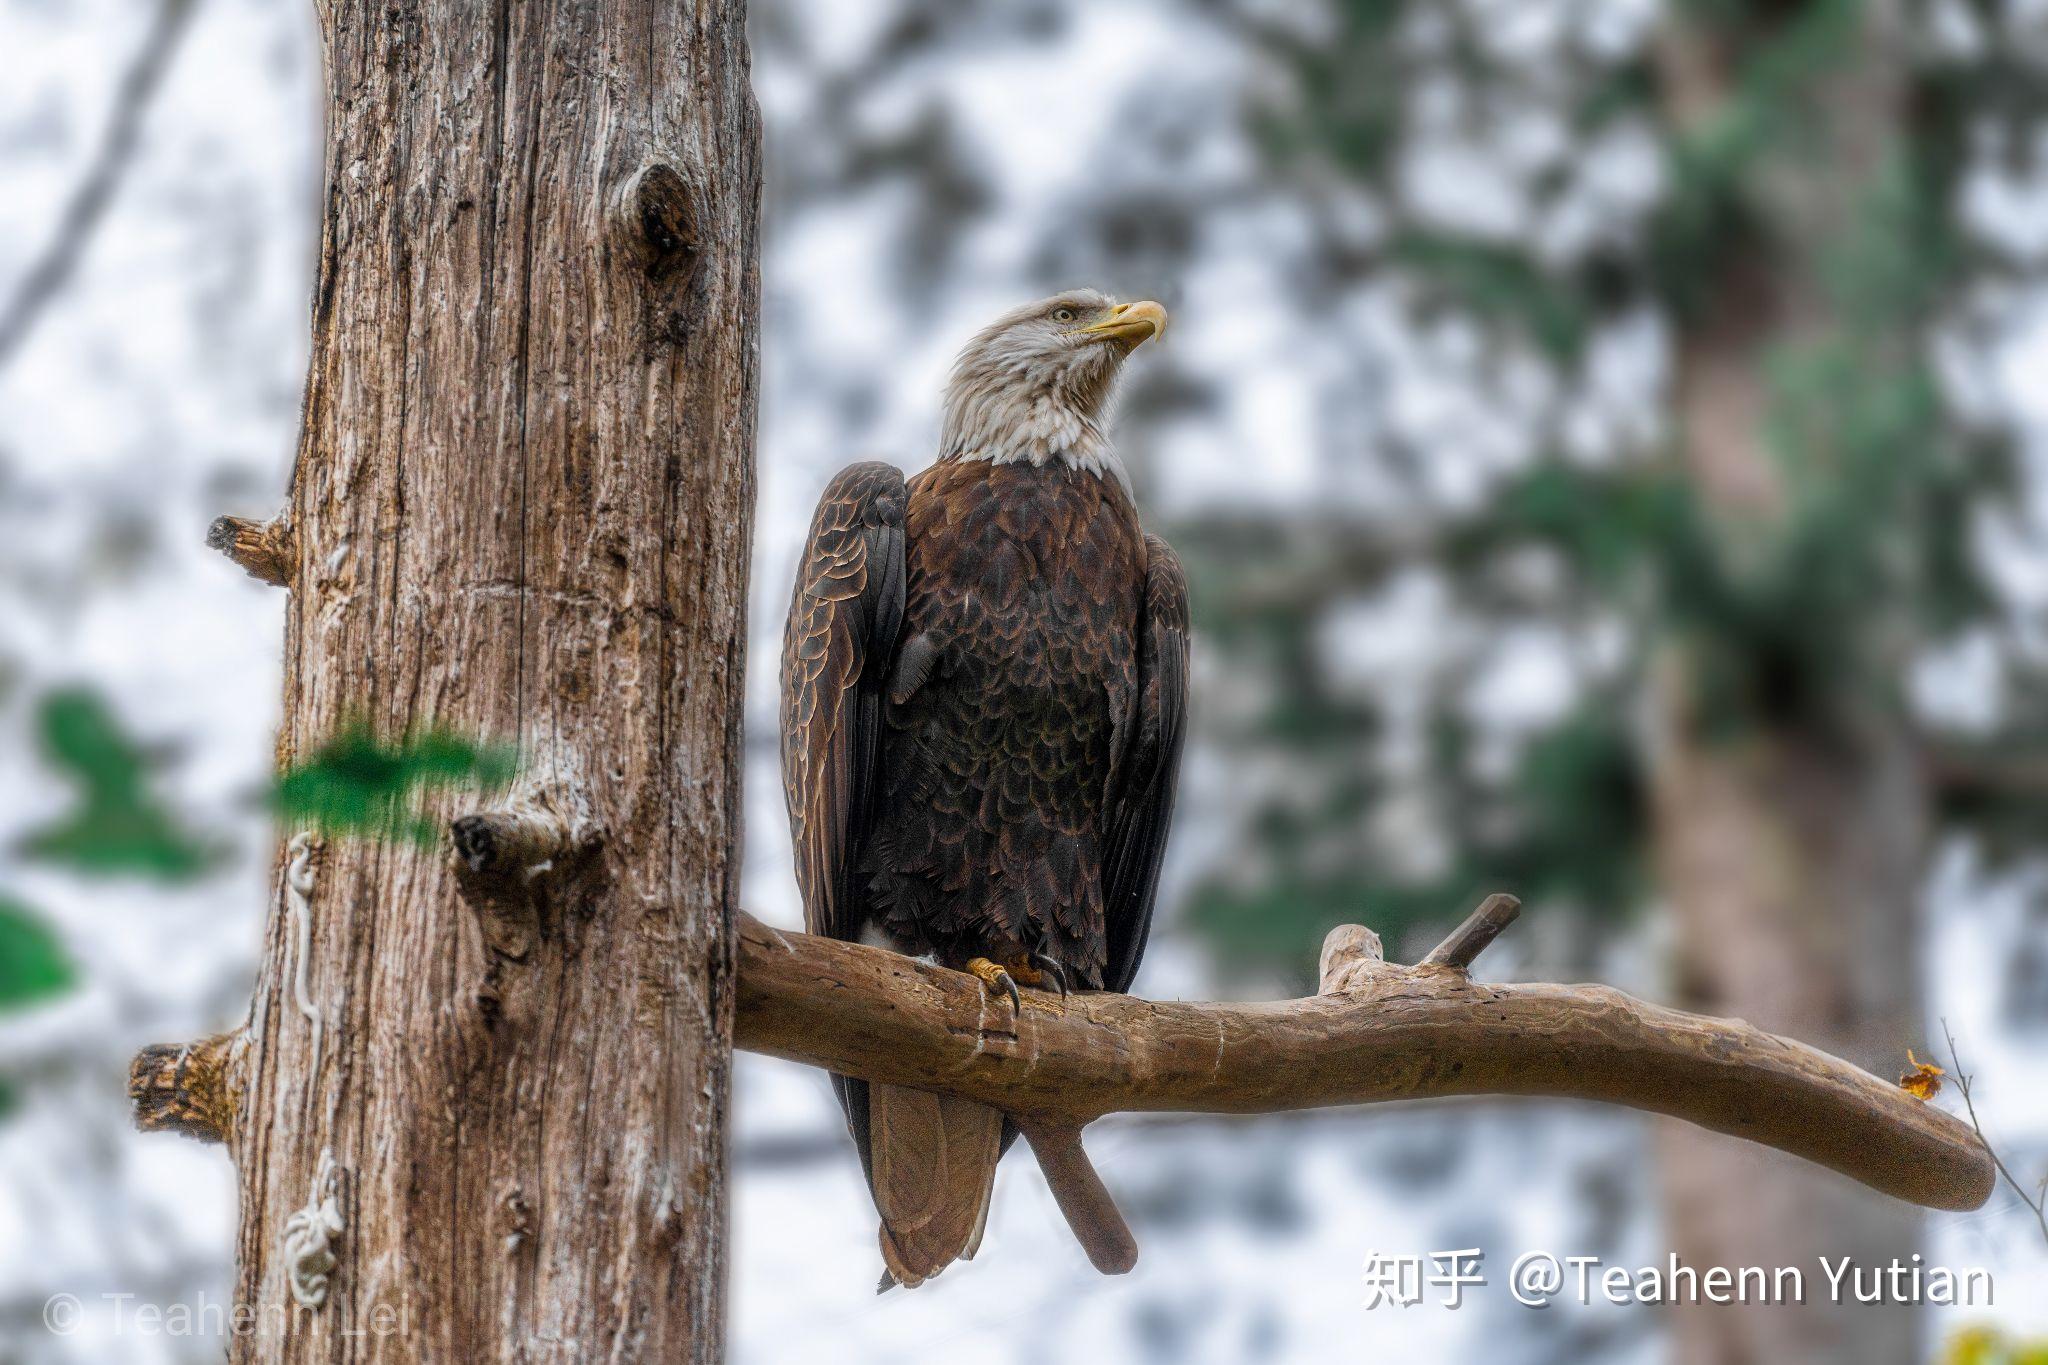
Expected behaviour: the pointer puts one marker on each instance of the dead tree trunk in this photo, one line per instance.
(521, 508)
(1792, 851)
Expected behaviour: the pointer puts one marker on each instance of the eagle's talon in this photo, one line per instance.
(1050, 968)
(996, 978)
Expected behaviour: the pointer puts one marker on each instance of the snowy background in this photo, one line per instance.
(921, 179)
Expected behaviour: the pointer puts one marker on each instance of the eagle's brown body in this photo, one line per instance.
(983, 692)
(1022, 618)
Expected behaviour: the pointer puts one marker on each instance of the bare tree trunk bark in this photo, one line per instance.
(1793, 854)
(521, 508)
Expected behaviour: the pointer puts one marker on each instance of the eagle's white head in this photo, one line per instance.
(1037, 385)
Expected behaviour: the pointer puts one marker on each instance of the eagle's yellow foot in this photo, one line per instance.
(996, 978)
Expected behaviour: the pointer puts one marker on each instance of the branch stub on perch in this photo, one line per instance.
(1463, 945)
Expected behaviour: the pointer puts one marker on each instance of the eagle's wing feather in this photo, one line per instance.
(930, 1160)
(1141, 806)
(844, 619)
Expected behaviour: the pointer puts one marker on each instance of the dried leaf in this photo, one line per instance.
(1923, 1082)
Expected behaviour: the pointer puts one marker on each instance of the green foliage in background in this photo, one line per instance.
(1502, 287)
(356, 784)
(33, 966)
(117, 826)
(1565, 827)
(1799, 618)
(1718, 166)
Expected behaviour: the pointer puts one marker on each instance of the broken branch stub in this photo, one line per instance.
(513, 843)
(1351, 954)
(1084, 1200)
(513, 862)
(188, 1088)
(265, 550)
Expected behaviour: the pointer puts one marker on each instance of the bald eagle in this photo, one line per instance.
(984, 690)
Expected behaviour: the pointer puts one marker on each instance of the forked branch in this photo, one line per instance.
(1377, 1032)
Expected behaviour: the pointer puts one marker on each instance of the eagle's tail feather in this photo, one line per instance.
(933, 1163)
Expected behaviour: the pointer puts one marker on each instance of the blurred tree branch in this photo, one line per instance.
(1986, 773)
(2036, 1202)
(88, 205)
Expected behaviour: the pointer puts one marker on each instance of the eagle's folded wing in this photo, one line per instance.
(844, 619)
(1141, 806)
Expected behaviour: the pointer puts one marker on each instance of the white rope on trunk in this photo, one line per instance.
(309, 1236)
(298, 883)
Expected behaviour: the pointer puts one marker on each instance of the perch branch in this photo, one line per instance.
(265, 550)
(1381, 1032)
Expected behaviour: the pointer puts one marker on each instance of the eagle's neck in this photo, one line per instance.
(1026, 428)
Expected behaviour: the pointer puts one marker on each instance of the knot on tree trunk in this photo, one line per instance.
(515, 863)
(661, 214)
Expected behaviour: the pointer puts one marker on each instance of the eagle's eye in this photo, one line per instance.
(1062, 315)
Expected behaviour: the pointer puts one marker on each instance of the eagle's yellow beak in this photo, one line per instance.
(1131, 323)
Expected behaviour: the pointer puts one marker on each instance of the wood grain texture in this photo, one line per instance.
(521, 509)
(1380, 1032)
